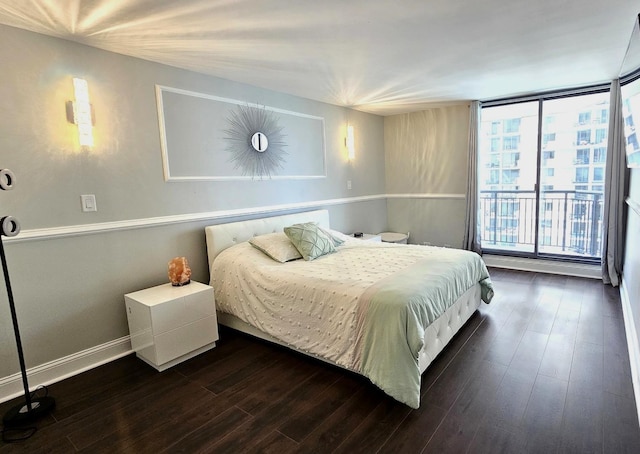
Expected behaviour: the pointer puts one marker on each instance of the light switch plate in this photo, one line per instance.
(88, 202)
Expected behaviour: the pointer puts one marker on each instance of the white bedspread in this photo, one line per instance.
(310, 305)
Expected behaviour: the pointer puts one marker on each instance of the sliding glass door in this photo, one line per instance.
(541, 176)
(508, 159)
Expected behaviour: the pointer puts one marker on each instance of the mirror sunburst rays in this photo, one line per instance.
(243, 123)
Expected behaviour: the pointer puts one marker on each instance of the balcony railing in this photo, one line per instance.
(570, 222)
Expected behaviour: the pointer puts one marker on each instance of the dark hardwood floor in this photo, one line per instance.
(543, 368)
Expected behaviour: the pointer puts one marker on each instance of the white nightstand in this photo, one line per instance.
(169, 324)
(369, 237)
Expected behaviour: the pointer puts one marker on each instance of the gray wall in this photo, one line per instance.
(426, 156)
(69, 290)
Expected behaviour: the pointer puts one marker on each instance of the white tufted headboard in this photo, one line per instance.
(221, 236)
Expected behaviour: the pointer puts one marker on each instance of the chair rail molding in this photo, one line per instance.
(130, 224)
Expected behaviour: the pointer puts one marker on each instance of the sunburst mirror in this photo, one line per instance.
(255, 141)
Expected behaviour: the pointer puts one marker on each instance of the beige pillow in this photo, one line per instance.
(277, 246)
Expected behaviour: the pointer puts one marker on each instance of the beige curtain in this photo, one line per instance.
(616, 180)
(471, 240)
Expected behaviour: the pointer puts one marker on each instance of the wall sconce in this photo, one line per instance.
(80, 112)
(350, 142)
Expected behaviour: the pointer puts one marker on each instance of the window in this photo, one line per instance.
(633, 141)
(628, 121)
(582, 174)
(584, 118)
(510, 159)
(584, 137)
(579, 210)
(599, 155)
(508, 238)
(495, 144)
(512, 125)
(598, 174)
(507, 208)
(578, 228)
(511, 142)
(597, 188)
(544, 143)
(511, 223)
(582, 156)
(510, 176)
(603, 116)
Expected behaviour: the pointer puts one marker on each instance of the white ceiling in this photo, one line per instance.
(383, 57)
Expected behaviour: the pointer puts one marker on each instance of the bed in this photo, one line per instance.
(382, 310)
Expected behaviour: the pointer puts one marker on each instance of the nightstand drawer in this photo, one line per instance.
(179, 311)
(173, 344)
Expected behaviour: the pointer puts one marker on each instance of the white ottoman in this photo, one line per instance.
(393, 237)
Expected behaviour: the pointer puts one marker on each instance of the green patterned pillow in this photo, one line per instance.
(311, 241)
(336, 241)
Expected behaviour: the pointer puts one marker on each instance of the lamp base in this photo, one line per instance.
(20, 414)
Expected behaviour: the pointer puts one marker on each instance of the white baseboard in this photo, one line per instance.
(59, 369)
(633, 343)
(543, 266)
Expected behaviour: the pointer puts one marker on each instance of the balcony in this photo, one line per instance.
(570, 222)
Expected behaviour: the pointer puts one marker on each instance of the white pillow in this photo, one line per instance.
(277, 246)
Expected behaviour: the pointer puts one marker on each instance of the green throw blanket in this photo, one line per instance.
(394, 314)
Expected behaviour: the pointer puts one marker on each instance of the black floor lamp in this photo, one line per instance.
(33, 407)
